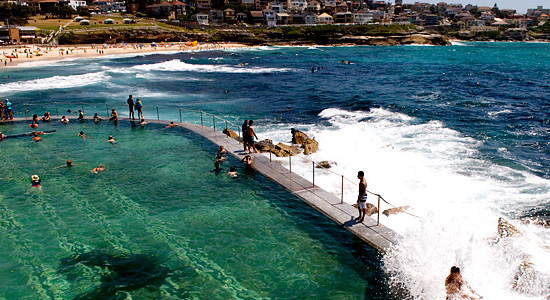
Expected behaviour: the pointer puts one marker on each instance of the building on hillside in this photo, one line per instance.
(431, 20)
(42, 5)
(343, 18)
(75, 4)
(179, 8)
(310, 18)
(283, 19)
(270, 16)
(248, 3)
(229, 16)
(203, 5)
(362, 18)
(325, 18)
(257, 17)
(537, 12)
(202, 18)
(162, 10)
(215, 17)
(276, 7)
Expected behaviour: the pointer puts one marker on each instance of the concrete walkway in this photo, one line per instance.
(378, 236)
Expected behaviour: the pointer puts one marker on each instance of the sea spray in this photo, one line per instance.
(455, 196)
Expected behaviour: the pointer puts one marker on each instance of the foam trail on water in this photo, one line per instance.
(54, 82)
(177, 65)
(457, 196)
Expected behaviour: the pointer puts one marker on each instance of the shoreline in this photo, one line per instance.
(27, 56)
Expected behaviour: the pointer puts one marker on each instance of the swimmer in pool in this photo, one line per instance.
(232, 173)
(111, 140)
(82, 135)
(98, 169)
(64, 120)
(35, 181)
(36, 138)
(97, 118)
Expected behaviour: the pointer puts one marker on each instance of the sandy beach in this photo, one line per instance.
(22, 55)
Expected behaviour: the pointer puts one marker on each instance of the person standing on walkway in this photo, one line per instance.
(251, 136)
(245, 134)
(139, 108)
(362, 198)
(8, 109)
(131, 107)
(2, 111)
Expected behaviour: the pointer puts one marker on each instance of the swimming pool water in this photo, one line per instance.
(159, 224)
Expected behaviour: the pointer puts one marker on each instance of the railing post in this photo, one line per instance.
(158, 115)
(214, 121)
(313, 163)
(107, 108)
(56, 111)
(378, 219)
(342, 194)
(226, 128)
(180, 116)
(82, 105)
(201, 118)
(239, 129)
(26, 111)
(269, 155)
(290, 162)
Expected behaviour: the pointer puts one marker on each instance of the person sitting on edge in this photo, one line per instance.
(64, 120)
(232, 172)
(98, 169)
(82, 135)
(35, 118)
(453, 286)
(97, 118)
(46, 117)
(114, 115)
(35, 181)
(111, 140)
(80, 115)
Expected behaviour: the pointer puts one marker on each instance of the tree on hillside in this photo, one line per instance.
(62, 12)
(15, 14)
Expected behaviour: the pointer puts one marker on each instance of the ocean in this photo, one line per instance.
(458, 134)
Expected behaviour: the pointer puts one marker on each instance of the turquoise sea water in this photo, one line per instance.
(458, 134)
(158, 224)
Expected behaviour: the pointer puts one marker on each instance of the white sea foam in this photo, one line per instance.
(456, 197)
(177, 65)
(54, 82)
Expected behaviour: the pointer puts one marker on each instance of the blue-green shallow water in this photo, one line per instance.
(158, 224)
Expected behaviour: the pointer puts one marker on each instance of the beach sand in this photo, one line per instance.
(28, 55)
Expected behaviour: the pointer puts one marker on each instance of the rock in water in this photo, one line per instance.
(230, 133)
(505, 229)
(325, 164)
(310, 145)
(395, 210)
(282, 150)
(264, 145)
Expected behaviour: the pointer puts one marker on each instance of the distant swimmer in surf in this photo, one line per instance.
(362, 198)
(454, 284)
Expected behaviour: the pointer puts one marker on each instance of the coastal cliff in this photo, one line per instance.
(322, 35)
